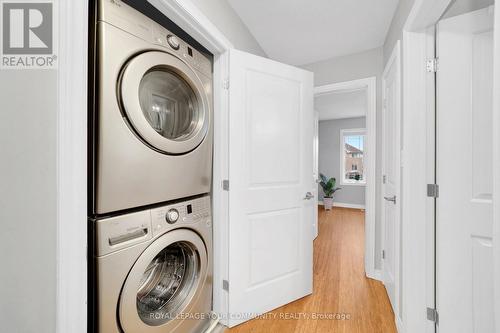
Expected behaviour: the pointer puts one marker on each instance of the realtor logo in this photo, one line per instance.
(28, 35)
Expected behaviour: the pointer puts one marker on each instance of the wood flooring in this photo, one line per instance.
(340, 286)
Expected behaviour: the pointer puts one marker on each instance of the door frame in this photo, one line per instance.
(71, 299)
(369, 85)
(394, 60)
(418, 210)
(496, 166)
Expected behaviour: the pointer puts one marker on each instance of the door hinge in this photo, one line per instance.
(225, 185)
(383, 254)
(432, 315)
(225, 84)
(384, 179)
(432, 65)
(225, 285)
(433, 190)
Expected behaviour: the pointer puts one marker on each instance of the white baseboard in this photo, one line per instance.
(376, 275)
(399, 324)
(344, 205)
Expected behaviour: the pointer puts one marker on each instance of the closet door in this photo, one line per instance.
(464, 223)
(271, 194)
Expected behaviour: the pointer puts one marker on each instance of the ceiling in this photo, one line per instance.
(340, 105)
(299, 32)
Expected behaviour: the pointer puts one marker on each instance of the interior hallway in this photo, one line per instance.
(340, 285)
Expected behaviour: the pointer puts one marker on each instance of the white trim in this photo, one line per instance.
(71, 299)
(394, 60)
(348, 205)
(418, 140)
(399, 324)
(187, 16)
(375, 275)
(496, 166)
(343, 133)
(370, 86)
(417, 208)
(344, 205)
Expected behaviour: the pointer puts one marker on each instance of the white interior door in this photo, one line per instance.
(391, 169)
(315, 170)
(270, 168)
(464, 172)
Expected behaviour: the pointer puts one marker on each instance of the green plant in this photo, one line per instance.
(328, 186)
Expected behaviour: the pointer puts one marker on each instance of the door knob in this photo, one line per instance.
(309, 196)
(393, 199)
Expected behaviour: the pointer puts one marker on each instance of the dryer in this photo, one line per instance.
(153, 269)
(153, 113)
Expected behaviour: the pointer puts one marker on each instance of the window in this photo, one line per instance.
(352, 144)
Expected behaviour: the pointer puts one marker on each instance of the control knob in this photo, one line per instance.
(172, 216)
(173, 42)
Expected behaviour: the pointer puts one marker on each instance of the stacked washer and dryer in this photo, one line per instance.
(151, 168)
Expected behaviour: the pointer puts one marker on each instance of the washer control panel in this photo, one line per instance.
(183, 213)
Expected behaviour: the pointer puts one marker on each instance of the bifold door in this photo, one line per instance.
(271, 185)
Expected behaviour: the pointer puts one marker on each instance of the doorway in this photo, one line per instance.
(350, 127)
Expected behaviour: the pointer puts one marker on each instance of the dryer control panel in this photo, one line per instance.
(186, 213)
(127, 18)
(123, 231)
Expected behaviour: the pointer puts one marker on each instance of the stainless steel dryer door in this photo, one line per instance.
(163, 283)
(165, 102)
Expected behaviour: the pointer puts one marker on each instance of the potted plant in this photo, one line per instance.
(329, 189)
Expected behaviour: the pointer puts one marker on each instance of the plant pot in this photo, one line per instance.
(328, 203)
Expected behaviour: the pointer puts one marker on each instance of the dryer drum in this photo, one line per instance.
(170, 278)
(170, 105)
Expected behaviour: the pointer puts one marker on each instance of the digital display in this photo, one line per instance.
(190, 51)
(189, 209)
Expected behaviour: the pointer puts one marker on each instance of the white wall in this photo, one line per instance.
(28, 200)
(464, 6)
(352, 67)
(229, 23)
(329, 158)
(341, 105)
(395, 32)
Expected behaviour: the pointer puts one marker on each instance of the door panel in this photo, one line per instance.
(464, 173)
(391, 168)
(270, 167)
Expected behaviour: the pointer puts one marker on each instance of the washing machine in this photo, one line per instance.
(154, 269)
(152, 118)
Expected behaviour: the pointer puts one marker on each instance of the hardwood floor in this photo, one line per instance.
(340, 285)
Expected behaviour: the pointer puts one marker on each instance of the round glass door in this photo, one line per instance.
(164, 283)
(169, 104)
(169, 279)
(164, 101)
